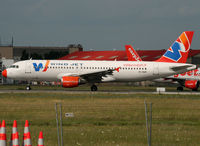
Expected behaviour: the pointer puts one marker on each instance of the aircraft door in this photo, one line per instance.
(28, 68)
(155, 69)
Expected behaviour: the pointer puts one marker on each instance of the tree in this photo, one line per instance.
(36, 56)
(24, 55)
(55, 54)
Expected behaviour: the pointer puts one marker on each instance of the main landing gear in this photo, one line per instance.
(180, 88)
(195, 89)
(94, 88)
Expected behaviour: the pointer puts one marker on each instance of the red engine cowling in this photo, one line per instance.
(70, 81)
(192, 84)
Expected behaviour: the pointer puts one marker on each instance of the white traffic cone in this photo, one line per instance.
(14, 136)
(40, 139)
(3, 134)
(27, 135)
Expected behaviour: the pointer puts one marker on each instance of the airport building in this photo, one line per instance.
(18, 53)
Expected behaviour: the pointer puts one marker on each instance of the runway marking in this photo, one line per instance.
(97, 92)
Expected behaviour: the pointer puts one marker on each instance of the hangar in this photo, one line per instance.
(146, 55)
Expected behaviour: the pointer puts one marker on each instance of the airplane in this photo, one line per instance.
(188, 79)
(73, 73)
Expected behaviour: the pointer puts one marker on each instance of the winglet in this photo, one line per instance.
(132, 54)
(179, 50)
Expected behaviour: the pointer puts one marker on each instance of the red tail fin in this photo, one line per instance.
(179, 50)
(132, 54)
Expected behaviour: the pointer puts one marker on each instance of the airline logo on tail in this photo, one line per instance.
(175, 54)
(179, 50)
(40, 66)
(132, 54)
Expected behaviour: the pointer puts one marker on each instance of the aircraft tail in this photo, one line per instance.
(179, 50)
(132, 54)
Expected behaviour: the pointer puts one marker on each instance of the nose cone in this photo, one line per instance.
(4, 73)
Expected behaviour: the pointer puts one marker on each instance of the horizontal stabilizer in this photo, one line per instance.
(184, 67)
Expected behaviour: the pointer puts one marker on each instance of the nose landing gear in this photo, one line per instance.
(28, 87)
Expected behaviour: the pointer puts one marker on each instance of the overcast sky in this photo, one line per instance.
(99, 24)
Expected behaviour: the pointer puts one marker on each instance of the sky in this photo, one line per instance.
(99, 24)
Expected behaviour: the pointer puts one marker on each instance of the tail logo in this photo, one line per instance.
(178, 52)
(175, 53)
(134, 55)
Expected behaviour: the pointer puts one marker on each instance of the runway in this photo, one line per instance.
(97, 92)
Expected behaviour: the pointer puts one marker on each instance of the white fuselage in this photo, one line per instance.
(34, 70)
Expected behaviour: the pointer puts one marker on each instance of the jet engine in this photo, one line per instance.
(70, 81)
(192, 84)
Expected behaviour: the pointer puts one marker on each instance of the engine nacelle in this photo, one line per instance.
(70, 81)
(192, 84)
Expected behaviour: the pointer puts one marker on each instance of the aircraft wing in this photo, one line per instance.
(96, 76)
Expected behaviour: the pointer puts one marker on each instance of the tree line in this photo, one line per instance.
(49, 55)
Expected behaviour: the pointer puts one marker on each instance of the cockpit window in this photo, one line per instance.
(14, 66)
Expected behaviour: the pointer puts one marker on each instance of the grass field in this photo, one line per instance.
(105, 119)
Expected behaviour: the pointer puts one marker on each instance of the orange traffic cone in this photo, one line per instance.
(41, 140)
(27, 135)
(14, 136)
(3, 134)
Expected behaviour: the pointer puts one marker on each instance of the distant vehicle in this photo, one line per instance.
(72, 73)
(188, 79)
